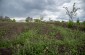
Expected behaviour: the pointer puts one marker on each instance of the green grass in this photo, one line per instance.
(42, 39)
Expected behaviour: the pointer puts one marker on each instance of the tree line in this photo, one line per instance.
(6, 19)
(28, 19)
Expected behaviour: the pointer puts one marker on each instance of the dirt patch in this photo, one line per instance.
(59, 36)
(5, 51)
(81, 49)
(62, 49)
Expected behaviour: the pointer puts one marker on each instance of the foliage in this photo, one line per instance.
(83, 22)
(41, 39)
(83, 26)
(13, 20)
(70, 24)
(78, 21)
(28, 19)
(37, 20)
(5, 19)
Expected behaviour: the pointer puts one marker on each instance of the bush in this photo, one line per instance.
(83, 22)
(37, 20)
(70, 24)
(78, 21)
(83, 26)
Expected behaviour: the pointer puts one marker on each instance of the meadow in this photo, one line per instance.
(42, 38)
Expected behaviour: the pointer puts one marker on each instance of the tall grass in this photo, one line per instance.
(46, 39)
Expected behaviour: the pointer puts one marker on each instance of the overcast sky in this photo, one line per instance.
(20, 9)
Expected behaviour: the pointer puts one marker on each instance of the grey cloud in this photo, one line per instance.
(33, 8)
(82, 17)
(21, 8)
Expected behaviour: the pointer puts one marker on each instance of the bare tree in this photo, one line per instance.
(72, 13)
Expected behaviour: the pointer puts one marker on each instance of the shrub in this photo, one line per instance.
(83, 26)
(83, 22)
(70, 24)
(37, 20)
(78, 21)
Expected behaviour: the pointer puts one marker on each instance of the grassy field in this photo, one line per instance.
(40, 39)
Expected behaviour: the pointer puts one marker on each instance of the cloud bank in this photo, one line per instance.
(35, 8)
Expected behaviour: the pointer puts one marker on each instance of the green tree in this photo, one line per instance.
(14, 20)
(28, 19)
(1, 18)
(7, 19)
